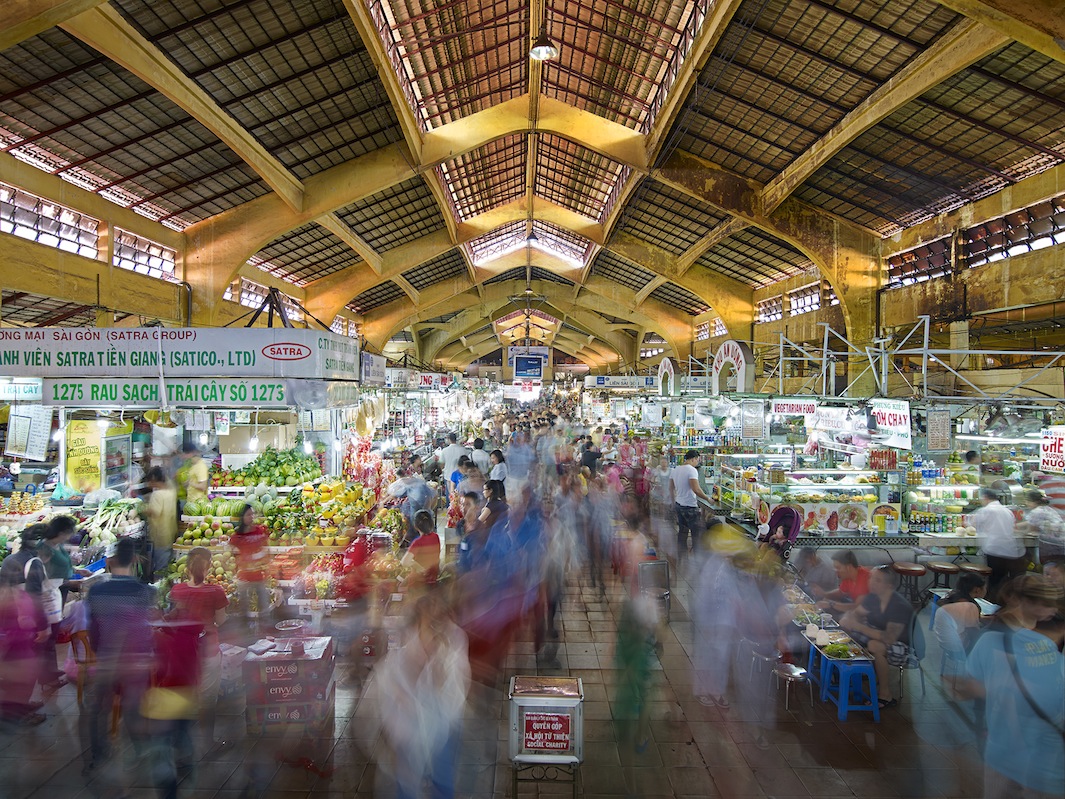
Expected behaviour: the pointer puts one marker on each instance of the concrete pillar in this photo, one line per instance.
(959, 340)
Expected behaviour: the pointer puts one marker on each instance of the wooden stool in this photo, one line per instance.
(975, 568)
(909, 573)
(941, 570)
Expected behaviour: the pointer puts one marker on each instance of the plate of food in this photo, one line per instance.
(852, 516)
(837, 651)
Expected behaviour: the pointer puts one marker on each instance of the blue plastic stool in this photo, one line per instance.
(848, 694)
(817, 668)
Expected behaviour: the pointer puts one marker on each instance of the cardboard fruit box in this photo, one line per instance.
(295, 692)
(280, 664)
(279, 717)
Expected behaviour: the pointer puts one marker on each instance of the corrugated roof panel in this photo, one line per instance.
(679, 298)
(305, 254)
(667, 218)
(450, 264)
(395, 216)
(616, 268)
(755, 257)
(375, 297)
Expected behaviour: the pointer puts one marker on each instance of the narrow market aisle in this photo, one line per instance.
(693, 750)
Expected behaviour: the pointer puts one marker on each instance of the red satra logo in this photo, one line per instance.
(286, 351)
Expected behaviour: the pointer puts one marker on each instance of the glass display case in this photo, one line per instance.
(835, 502)
(117, 462)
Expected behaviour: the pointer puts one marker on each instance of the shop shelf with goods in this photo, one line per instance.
(835, 502)
(940, 508)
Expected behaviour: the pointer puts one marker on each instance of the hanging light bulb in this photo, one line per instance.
(543, 49)
(59, 434)
(307, 447)
(204, 438)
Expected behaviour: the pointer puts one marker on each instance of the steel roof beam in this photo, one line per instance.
(961, 46)
(1038, 24)
(844, 253)
(23, 19)
(342, 231)
(383, 322)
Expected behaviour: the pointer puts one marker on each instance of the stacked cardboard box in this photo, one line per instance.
(287, 687)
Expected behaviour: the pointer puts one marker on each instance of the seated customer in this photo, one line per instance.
(424, 552)
(853, 583)
(816, 577)
(881, 623)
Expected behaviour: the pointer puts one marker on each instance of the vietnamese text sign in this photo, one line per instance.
(178, 352)
(739, 357)
(373, 369)
(938, 427)
(1052, 450)
(24, 390)
(548, 732)
(892, 422)
(82, 455)
(192, 393)
(29, 429)
(620, 381)
(752, 420)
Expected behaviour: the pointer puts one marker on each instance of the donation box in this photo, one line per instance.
(546, 720)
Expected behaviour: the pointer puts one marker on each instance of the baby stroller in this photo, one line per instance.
(784, 527)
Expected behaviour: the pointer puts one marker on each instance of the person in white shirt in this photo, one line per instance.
(684, 489)
(450, 455)
(1004, 552)
(480, 457)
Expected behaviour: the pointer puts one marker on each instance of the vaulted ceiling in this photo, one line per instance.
(518, 177)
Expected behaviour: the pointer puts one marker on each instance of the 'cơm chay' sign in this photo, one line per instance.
(178, 352)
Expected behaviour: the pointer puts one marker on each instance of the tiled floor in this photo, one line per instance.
(924, 748)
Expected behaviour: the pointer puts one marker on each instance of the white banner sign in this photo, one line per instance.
(1052, 450)
(892, 422)
(105, 392)
(620, 381)
(794, 406)
(373, 369)
(111, 392)
(27, 389)
(398, 378)
(178, 352)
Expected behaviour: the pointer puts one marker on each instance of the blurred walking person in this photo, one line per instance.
(422, 688)
(23, 628)
(120, 611)
(204, 604)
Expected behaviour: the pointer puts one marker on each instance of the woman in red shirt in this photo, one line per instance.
(424, 551)
(250, 540)
(204, 603)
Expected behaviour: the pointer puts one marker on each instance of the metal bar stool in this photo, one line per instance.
(975, 568)
(909, 574)
(941, 573)
(760, 656)
(790, 673)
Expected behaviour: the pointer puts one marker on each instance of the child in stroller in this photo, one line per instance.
(782, 530)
